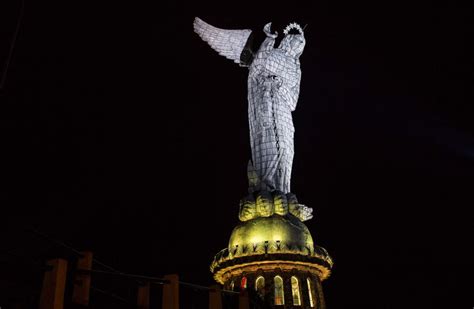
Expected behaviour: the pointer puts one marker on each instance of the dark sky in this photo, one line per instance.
(124, 133)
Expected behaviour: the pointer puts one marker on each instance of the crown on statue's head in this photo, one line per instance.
(293, 26)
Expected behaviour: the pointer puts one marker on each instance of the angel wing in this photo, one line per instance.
(228, 43)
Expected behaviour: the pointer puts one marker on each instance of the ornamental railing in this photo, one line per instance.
(270, 247)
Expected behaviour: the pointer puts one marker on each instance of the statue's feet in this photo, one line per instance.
(265, 203)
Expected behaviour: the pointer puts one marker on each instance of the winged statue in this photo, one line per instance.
(273, 90)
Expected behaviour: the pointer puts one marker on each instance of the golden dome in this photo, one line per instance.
(276, 230)
(267, 243)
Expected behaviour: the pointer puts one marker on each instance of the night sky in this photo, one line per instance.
(124, 133)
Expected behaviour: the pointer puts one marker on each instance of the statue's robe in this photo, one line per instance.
(273, 84)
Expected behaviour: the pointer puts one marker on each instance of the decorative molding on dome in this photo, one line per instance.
(268, 250)
(312, 265)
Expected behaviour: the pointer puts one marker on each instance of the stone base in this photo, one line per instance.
(271, 254)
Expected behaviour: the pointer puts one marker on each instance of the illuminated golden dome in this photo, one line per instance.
(281, 241)
(285, 231)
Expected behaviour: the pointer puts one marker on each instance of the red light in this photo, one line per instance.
(243, 283)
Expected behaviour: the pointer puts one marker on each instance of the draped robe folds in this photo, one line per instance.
(273, 84)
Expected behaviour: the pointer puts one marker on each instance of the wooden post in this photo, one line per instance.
(82, 282)
(171, 292)
(244, 300)
(54, 283)
(143, 298)
(215, 297)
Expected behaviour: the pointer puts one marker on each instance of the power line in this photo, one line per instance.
(72, 249)
(131, 276)
(200, 287)
(114, 272)
(12, 45)
(155, 280)
(27, 261)
(105, 265)
(75, 251)
(112, 295)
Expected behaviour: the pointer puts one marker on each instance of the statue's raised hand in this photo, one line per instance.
(268, 31)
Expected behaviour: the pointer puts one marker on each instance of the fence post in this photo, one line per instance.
(54, 283)
(143, 296)
(82, 281)
(171, 292)
(244, 300)
(215, 297)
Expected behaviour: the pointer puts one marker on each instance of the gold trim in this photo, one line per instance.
(268, 247)
(225, 274)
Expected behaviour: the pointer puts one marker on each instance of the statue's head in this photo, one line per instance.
(293, 43)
